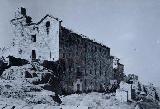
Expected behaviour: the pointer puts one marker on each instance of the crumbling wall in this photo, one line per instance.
(35, 40)
(16, 61)
(86, 60)
(3, 65)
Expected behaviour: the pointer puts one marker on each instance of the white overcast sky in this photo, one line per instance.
(131, 28)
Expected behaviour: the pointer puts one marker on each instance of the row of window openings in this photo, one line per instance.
(95, 71)
(91, 83)
(93, 49)
(85, 69)
(64, 55)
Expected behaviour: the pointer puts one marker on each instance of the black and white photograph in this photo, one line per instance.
(79, 54)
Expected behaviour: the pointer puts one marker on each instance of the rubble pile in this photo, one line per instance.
(26, 83)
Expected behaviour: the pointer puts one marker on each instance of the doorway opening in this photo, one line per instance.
(33, 54)
(78, 88)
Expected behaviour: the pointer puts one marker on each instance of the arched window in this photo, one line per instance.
(47, 26)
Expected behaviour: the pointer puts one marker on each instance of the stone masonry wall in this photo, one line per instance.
(86, 60)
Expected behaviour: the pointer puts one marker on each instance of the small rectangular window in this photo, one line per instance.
(85, 72)
(23, 11)
(63, 55)
(100, 72)
(85, 82)
(33, 38)
(50, 54)
(85, 46)
(95, 49)
(79, 73)
(85, 60)
(90, 71)
(100, 49)
(69, 68)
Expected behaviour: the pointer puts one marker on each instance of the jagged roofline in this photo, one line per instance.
(15, 19)
(85, 37)
(22, 18)
(46, 17)
(40, 20)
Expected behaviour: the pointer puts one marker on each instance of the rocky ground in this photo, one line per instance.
(95, 100)
(20, 90)
(21, 87)
(82, 101)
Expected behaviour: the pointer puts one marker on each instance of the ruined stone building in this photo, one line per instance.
(35, 40)
(88, 65)
(118, 70)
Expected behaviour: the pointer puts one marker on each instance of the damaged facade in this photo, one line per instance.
(118, 70)
(87, 65)
(35, 40)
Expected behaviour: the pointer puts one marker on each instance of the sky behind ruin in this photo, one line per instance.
(129, 27)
